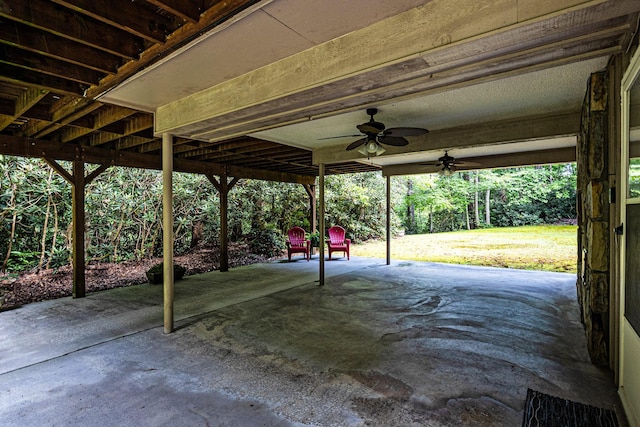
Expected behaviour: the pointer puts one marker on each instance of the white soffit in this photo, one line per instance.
(272, 31)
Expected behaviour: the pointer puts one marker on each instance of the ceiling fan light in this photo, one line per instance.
(363, 150)
(380, 150)
(372, 147)
(445, 171)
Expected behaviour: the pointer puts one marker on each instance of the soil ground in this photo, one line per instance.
(57, 283)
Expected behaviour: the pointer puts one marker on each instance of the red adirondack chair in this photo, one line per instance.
(337, 242)
(296, 243)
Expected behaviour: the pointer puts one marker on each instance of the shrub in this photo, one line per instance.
(268, 242)
(155, 273)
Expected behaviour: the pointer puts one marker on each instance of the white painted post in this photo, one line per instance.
(388, 220)
(321, 221)
(167, 223)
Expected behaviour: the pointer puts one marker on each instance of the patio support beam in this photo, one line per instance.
(534, 129)
(223, 186)
(528, 158)
(321, 242)
(313, 213)
(167, 225)
(78, 182)
(29, 147)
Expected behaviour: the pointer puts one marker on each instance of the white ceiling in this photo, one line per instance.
(277, 29)
(267, 32)
(552, 90)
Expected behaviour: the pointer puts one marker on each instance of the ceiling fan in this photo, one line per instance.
(446, 165)
(375, 135)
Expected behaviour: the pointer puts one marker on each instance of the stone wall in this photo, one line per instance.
(594, 225)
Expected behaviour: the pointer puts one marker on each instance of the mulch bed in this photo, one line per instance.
(57, 283)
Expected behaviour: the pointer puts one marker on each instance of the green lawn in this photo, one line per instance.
(544, 247)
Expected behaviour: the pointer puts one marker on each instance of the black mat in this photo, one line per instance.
(542, 410)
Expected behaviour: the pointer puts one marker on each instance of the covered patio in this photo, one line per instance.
(275, 89)
(403, 344)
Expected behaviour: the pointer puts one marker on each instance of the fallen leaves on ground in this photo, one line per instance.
(57, 283)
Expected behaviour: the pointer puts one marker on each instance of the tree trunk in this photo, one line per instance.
(487, 207)
(12, 205)
(411, 210)
(476, 204)
(197, 233)
(45, 226)
(55, 235)
(467, 217)
(431, 221)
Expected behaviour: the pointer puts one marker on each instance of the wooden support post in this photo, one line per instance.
(223, 186)
(167, 224)
(78, 182)
(388, 220)
(321, 185)
(79, 285)
(224, 224)
(313, 212)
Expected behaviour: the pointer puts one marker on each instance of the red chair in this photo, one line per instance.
(296, 243)
(337, 242)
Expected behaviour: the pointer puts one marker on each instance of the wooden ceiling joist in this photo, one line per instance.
(27, 147)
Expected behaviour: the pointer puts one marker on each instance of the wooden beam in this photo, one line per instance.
(61, 171)
(21, 77)
(313, 210)
(27, 147)
(125, 15)
(52, 67)
(527, 158)
(78, 221)
(223, 186)
(107, 115)
(63, 115)
(53, 46)
(187, 10)
(481, 134)
(28, 99)
(46, 16)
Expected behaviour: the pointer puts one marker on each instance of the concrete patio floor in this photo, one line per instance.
(407, 344)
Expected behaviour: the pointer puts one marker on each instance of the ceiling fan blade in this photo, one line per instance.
(370, 128)
(463, 163)
(356, 144)
(405, 131)
(396, 141)
(341, 136)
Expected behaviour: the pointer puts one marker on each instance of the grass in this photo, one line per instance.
(543, 247)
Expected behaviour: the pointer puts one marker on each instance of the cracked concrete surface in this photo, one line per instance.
(408, 344)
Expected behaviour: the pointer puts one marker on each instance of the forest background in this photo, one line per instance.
(124, 209)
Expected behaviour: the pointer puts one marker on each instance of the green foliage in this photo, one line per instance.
(518, 196)
(314, 239)
(124, 209)
(267, 241)
(20, 261)
(358, 203)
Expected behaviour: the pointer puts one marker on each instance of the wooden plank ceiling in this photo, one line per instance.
(56, 56)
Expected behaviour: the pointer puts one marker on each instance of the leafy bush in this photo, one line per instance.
(267, 241)
(155, 273)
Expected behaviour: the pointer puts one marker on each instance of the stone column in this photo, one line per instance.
(594, 223)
